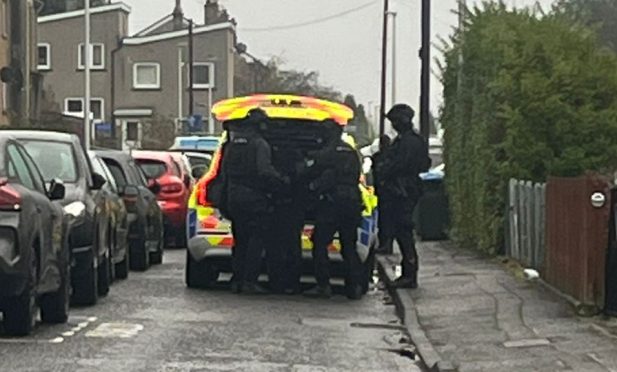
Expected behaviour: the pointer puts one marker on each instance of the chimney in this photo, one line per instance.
(212, 12)
(178, 16)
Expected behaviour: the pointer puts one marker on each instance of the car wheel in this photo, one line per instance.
(140, 257)
(20, 312)
(199, 274)
(122, 268)
(55, 306)
(85, 287)
(104, 275)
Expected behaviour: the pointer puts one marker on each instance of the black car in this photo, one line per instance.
(61, 156)
(145, 216)
(34, 253)
(119, 220)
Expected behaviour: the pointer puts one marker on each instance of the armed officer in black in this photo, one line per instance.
(339, 209)
(401, 188)
(251, 178)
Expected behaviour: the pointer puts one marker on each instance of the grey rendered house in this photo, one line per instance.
(140, 84)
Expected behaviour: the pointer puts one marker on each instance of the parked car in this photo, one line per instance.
(173, 193)
(119, 223)
(61, 156)
(34, 252)
(145, 216)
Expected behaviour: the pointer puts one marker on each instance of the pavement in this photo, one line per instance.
(152, 322)
(472, 313)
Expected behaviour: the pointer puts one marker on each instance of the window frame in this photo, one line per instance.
(6, 27)
(47, 66)
(82, 100)
(211, 76)
(80, 64)
(137, 85)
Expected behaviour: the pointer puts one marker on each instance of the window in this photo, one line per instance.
(97, 56)
(21, 172)
(99, 167)
(54, 159)
(76, 106)
(146, 76)
(44, 56)
(117, 173)
(153, 169)
(203, 75)
(6, 25)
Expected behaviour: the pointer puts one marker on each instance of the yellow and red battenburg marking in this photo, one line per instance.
(283, 106)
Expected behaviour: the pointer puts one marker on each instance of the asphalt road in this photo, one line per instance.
(152, 322)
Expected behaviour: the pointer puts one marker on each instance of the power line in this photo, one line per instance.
(312, 22)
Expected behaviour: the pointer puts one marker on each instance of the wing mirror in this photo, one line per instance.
(56, 191)
(154, 186)
(130, 191)
(98, 181)
(198, 172)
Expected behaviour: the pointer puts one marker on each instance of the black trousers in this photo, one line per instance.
(284, 249)
(249, 228)
(397, 219)
(327, 224)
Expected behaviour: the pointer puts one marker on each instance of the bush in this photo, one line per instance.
(537, 96)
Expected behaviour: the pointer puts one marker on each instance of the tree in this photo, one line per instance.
(599, 14)
(536, 96)
(271, 77)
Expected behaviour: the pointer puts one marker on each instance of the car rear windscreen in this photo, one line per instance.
(153, 169)
(54, 159)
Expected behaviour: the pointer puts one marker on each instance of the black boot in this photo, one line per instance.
(236, 287)
(354, 292)
(406, 282)
(253, 289)
(319, 291)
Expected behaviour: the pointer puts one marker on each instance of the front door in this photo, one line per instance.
(131, 134)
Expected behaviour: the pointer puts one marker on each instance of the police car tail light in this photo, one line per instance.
(10, 199)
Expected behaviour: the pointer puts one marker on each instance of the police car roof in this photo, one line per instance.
(282, 106)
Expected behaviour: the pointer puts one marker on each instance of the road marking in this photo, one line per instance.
(527, 343)
(55, 340)
(115, 330)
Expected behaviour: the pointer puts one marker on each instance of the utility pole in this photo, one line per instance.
(425, 55)
(86, 60)
(191, 72)
(384, 72)
(393, 64)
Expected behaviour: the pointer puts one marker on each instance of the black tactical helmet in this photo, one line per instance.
(401, 113)
(257, 118)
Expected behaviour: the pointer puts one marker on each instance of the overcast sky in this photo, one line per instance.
(345, 49)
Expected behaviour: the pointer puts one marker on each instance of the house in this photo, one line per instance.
(140, 83)
(20, 82)
(60, 58)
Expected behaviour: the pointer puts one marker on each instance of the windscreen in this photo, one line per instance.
(54, 159)
(153, 169)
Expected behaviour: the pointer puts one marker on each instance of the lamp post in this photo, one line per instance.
(86, 60)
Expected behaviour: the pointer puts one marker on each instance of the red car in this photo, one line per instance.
(173, 192)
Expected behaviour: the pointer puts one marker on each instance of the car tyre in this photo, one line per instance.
(55, 305)
(199, 274)
(104, 273)
(122, 268)
(140, 257)
(20, 314)
(85, 288)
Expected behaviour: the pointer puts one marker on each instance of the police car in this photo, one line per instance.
(296, 124)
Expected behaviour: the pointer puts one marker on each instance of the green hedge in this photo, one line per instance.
(537, 96)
